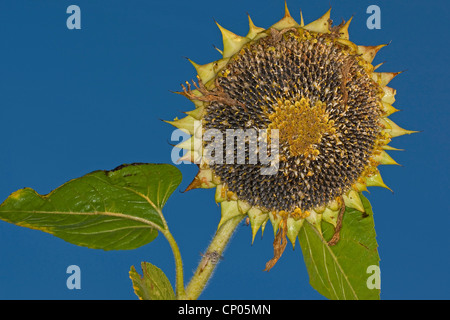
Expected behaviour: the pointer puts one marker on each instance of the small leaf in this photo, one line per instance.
(339, 272)
(111, 210)
(153, 285)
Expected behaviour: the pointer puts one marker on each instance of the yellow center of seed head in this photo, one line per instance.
(301, 125)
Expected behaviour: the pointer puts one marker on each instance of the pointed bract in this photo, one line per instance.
(257, 218)
(378, 65)
(383, 78)
(387, 108)
(190, 156)
(275, 220)
(369, 52)
(293, 228)
(186, 124)
(386, 147)
(253, 30)
(187, 144)
(330, 216)
(203, 180)
(384, 158)
(232, 43)
(287, 21)
(343, 31)
(197, 113)
(352, 200)
(376, 180)
(394, 130)
(229, 210)
(315, 219)
(320, 25)
(208, 71)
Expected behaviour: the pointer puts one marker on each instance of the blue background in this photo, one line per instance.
(74, 101)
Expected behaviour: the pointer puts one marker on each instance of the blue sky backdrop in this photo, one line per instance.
(75, 101)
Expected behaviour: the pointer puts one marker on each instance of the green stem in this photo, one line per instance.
(206, 266)
(179, 277)
(179, 282)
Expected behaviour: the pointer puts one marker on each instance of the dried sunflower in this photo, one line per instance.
(320, 93)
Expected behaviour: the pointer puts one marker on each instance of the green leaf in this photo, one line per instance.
(111, 210)
(346, 270)
(153, 285)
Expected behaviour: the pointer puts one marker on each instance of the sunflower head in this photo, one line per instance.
(313, 92)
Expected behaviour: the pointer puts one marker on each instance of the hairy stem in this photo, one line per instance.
(210, 258)
(179, 285)
(179, 275)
